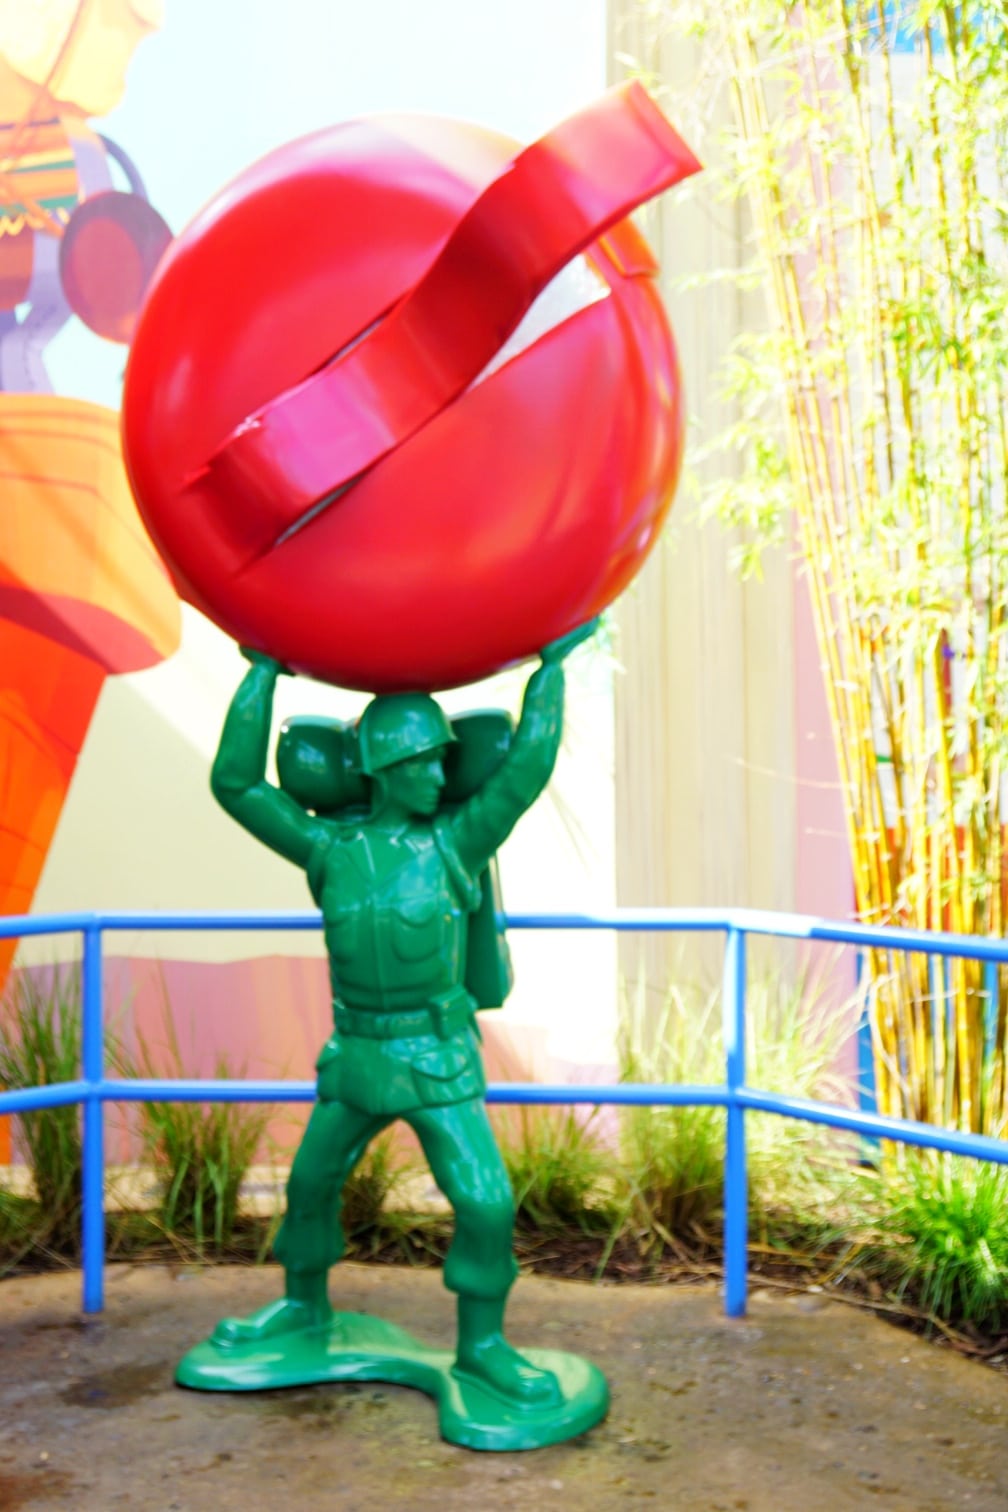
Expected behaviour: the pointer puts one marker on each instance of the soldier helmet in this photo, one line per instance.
(395, 726)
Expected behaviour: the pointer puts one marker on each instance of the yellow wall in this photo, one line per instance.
(705, 732)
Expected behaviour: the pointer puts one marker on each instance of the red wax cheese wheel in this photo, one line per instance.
(475, 520)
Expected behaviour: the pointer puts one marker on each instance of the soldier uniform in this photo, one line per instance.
(396, 906)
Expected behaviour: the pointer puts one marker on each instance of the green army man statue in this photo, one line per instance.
(398, 880)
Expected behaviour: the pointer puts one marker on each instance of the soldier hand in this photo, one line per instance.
(260, 659)
(557, 650)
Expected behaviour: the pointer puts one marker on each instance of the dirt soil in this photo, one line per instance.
(803, 1404)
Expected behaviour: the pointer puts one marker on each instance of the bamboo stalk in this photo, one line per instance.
(868, 211)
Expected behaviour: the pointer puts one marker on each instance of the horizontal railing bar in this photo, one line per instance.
(803, 927)
(748, 921)
(642, 1094)
(623, 920)
(210, 1090)
(878, 1125)
(762, 922)
(55, 1095)
(243, 922)
(43, 924)
(213, 1090)
(19, 925)
(622, 1094)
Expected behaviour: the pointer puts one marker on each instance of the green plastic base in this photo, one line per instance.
(357, 1347)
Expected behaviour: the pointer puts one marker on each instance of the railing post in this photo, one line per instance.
(992, 990)
(93, 1177)
(867, 1093)
(736, 1198)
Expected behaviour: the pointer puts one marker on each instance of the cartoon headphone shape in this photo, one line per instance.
(112, 243)
(112, 240)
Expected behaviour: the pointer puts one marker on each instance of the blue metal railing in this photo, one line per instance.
(94, 1089)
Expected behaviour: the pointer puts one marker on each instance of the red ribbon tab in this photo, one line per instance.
(556, 198)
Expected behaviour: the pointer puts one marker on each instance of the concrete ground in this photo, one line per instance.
(804, 1404)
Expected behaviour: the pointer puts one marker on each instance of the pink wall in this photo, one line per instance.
(261, 1018)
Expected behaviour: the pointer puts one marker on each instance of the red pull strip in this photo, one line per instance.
(285, 461)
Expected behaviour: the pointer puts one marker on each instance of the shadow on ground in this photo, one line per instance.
(804, 1404)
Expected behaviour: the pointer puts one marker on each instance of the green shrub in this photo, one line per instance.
(40, 1044)
(941, 1238)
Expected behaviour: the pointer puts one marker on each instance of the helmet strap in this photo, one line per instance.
(379, 794)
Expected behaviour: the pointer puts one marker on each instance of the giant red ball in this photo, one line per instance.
(519, 509)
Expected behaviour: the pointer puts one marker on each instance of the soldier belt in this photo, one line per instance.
(443, 1016)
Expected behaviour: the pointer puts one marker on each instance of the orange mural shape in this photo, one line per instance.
(82, 594)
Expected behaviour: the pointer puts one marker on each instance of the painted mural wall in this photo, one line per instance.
(82, 593)
(118, 120)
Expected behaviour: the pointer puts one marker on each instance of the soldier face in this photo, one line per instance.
(417, 782)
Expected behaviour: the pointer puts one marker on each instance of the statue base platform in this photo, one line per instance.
(357, 1347)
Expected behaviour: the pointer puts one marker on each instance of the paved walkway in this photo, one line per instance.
(803, 1405)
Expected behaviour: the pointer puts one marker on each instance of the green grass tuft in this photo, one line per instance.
(673, 1158)
(370, 1190)
(559, 1168)
(941, 1238)
(672, 1166)
(201, 1152)
(40, 1044)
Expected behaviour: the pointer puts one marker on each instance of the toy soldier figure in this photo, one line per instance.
(399, 880)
